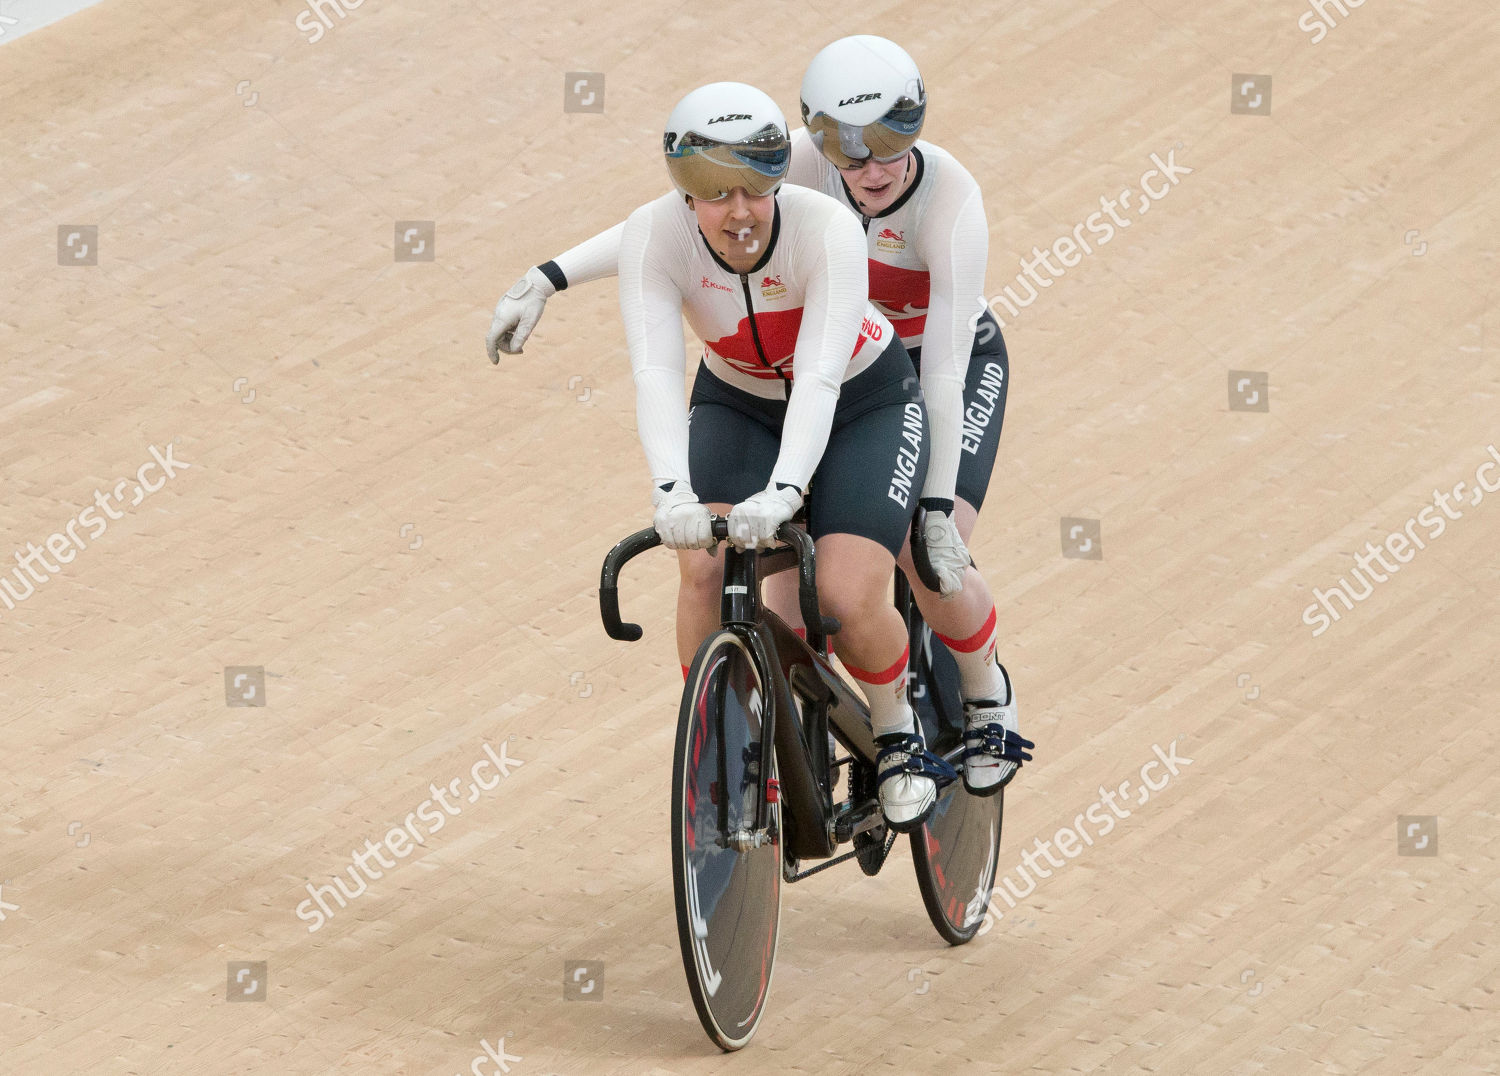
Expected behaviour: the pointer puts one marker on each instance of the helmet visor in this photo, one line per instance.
(709, 170)
(885, 140)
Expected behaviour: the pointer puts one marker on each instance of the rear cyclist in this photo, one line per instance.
(863, 104)
(800, 377)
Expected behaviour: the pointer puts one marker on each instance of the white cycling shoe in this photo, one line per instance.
(909, 777)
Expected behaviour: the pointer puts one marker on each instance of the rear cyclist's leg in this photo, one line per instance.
(967, 623)
(962, 616)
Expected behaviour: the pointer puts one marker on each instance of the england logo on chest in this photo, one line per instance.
(771, 288)
(891, 240)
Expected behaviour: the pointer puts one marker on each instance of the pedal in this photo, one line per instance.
(871, 847)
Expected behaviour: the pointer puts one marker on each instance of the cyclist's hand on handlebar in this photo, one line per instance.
(681, 520)
(517, 313)
(945, 548)
(753, 523)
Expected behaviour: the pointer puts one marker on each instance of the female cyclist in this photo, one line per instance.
(863, 104)
(800, 376)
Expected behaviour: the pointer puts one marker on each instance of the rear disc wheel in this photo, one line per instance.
(955, 853)
(956, 850)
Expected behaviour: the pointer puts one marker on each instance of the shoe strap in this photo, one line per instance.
(919, 762)
(997, 741)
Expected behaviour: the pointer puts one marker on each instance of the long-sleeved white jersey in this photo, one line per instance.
(795, 328)
(926, 263)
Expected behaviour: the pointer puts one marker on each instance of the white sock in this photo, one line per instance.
(902, 721)
(886, 693)
(978, 668)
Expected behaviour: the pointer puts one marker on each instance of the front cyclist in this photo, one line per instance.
(800, 376)
(863, 103)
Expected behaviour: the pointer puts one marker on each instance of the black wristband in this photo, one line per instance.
(550, 270)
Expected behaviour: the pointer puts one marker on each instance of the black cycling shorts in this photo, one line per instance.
(984, 409)
(870, 475)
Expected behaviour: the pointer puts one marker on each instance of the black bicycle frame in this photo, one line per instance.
(800, 672)
(808, 696)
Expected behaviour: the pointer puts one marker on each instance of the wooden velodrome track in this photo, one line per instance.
(407, 541)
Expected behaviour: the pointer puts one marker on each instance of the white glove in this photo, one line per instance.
(517, 313)
(753, 523)
(946, 551)
(681, 520)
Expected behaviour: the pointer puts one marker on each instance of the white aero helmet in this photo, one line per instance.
(862, 98)
(726, 135)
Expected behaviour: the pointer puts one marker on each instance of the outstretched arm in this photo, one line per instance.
(521, 307)
(593, 259)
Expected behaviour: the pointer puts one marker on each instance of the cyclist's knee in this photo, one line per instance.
(852, 582)
(964, 514)
(850, 606)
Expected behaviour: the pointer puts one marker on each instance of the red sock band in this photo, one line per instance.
(973, 642)
(886, 677)
(684, 674)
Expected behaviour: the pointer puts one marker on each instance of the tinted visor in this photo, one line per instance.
(888, 138)
(709, 170)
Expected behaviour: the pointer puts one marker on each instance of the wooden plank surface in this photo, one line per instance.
(407, 540)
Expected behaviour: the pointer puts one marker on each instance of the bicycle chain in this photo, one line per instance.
(890, 840)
